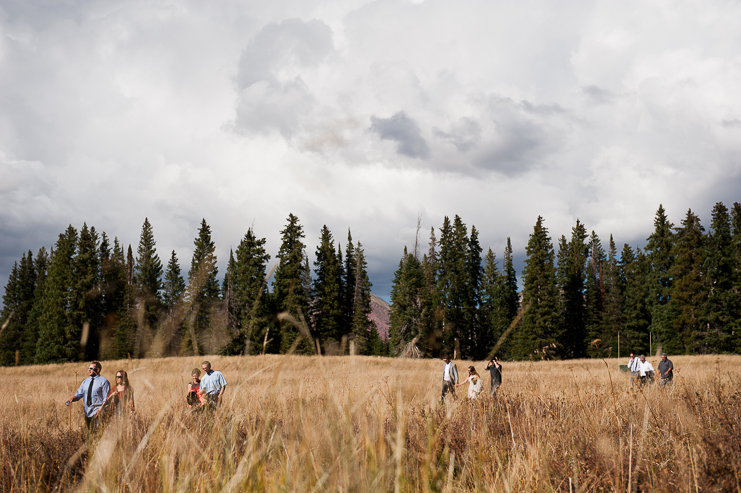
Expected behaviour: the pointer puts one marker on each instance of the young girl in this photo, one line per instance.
(121, 395)
(475, 386)
(195, 398)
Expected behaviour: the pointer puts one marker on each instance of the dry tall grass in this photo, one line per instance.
(292, 423)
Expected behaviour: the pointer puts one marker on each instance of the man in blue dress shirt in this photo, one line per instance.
(213, 385)
(93, 391)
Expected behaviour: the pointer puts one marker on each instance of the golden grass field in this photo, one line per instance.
(293, 423)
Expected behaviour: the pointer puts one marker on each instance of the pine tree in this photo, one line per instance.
(88, 303)
(348, 284)
(10, 329)
(252, 294)
(453, 284)
(148, 275)
(363, 331)
(327, 284)
(431, 323)
(475, 336)
(634, 272)
(613, 320)
(660, 259)
(203, 289)
(173, 287)
(230, 306)
(572, 263)
(538, 335)
(722, 309)
(508, 303)
(123, 301)
(406, 304)
(17, 303)
(735, 326)
(56, 335)
(289, 286)
(689, 293)
(490, 285)
(594, 296)
(31, 327)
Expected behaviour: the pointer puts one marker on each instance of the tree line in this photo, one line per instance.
(91, 298)
(681, 292)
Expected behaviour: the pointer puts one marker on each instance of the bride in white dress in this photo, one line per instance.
(475, 386)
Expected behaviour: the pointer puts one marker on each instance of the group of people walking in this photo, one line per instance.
(642, 371)
(475, 384)
(100, 399)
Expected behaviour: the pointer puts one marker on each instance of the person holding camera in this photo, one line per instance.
(495, 369)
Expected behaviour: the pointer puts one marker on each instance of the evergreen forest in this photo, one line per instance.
(89, 297)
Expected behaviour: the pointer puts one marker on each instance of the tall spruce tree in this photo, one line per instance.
(430, 330)
(148, 275)
(406, 303)
(660, 259)
(508, 302)
(252, 293)
(363, 330)
(594, 297)
(290, 286)
(348, 284)
(17, 303)
(173, 286)
(572, 264)
(124, 301)
(490, 283)
(689, 293)
(59, 339)
(31, 327)
(327, 291)
(735, 325)
(634, 271)
(612, 321)
(203, 289)
(453, 284)
(538, 335)
(230, 307)
(722, 308)
(87, 300)
(475, 336)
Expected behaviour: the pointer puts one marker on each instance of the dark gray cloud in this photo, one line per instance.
(464, 134)
(404, 131)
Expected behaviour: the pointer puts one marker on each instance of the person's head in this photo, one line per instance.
(643, 357)
(122, 378)
(196, 374)
(206, 366)
(632, 355)
(663, 356)
(446, 359)
(94, 368)
(472, 370)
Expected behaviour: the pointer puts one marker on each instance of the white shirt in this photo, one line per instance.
(644, 367)
(634, 363)
(446, 371)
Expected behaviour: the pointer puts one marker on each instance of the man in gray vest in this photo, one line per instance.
(450, 378)
(93, 391)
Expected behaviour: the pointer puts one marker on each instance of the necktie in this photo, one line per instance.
(90, 392)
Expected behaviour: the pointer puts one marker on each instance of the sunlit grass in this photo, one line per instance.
(292, 423)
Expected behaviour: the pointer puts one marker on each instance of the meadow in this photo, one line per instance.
(300, 423)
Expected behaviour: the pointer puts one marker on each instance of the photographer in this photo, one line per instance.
(495, 369)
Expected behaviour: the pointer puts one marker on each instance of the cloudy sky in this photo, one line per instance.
(364, 115)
